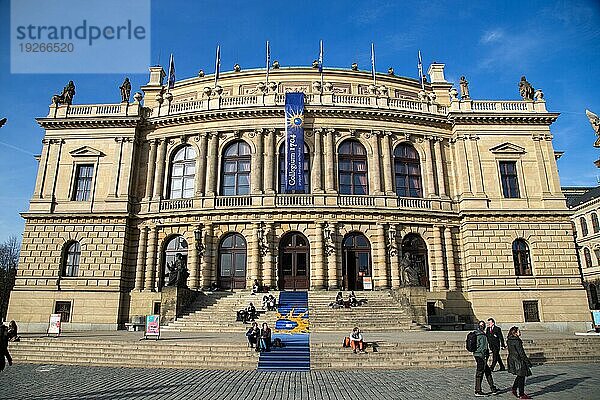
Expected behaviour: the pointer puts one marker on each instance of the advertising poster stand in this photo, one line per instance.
(152, 329)
(54, 325)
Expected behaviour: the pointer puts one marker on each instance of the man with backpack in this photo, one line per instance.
(477, 344)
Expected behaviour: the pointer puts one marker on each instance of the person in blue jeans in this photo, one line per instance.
(481, 356)
(264, 342)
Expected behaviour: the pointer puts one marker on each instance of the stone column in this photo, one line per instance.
(267, 260)
(388, 168)
(256, 172)
(450, 258)
(127, 168)
(151, 168)
(208, 270)
(429, 167)
(253, 256)
(317, 170)
(38, 192)
(380, 276)
(194, 260)
(332, 268)
(439, 164)
(200, 178)
(439, 281)
(541, 165)
(462, 166)
(330, 162)
(212, 165)
(375, 165)
(393, 254)
(141, 258)
(317, 278)
(270, 136)
(151, 259)
(477, 173)
(159, 177)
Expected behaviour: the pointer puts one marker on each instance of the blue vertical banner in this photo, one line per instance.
(294, 142)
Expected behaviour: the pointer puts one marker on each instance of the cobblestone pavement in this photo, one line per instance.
(36, 382)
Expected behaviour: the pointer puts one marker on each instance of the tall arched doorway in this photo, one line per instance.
(414, 245)
(294, 268)
(356, 262)
(175, 245)
(232, 262)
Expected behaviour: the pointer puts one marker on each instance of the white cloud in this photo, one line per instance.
(492, 36)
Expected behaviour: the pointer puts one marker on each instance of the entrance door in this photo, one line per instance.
(356, 261)
(294, 269)
(232, 262)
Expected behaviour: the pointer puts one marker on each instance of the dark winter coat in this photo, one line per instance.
(482, 345)
(518, 362)
(494, 337)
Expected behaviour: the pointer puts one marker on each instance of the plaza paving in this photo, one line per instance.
(36, 382)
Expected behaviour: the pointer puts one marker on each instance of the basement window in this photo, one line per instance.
(531, 311)
(64, 309)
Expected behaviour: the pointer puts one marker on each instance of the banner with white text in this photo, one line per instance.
(294, 142)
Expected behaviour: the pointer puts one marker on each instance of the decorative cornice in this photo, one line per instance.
(483, 119)
(101, 122)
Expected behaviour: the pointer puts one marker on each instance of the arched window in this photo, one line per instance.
(588, 257)
(232, 262)
(407, 171)
(236, 169)
(595, 225)
(71, 256)
(282, 169)
(584, 228)
(176, 252)
(521, 258)
(183, 170)
(352, 166)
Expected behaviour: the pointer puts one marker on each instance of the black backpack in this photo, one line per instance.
(471, 342)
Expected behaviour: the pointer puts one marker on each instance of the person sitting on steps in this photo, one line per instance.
(356, 340)
(255, 287)
(271, 303)
(252, 313)
(352, 299)
(253, 334)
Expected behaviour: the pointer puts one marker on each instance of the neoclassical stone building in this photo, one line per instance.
(404, 185)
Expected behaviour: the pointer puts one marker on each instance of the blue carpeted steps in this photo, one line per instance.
(292, 328)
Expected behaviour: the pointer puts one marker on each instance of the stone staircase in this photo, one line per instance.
(380, 312)
(140, 354)
(448, 354)
(216, 312)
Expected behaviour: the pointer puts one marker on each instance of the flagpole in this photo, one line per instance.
(171, 79)
(217, 64)
(321, 61)
(420, 66)
(373, 63)
(268, 61)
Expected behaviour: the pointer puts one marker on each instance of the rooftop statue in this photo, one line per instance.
(125, 90)
(66, 97)
(595, 121)
(525, 89)
(464, 88)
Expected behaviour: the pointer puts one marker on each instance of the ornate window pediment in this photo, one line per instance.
(86, 151)
(507, 148)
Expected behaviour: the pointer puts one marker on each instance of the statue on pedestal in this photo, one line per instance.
(595, 121)
(66, 97)
(178, 272)
(410, 274)
(464, 88)
(125, 90)
(525, 89)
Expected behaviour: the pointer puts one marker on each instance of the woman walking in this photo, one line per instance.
(518, 362)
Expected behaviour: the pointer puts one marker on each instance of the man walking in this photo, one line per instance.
(496, 341)
(481, 355)
(4, 347)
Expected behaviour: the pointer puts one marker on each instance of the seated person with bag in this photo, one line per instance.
(356, 340)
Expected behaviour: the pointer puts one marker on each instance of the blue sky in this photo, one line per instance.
(556, 44)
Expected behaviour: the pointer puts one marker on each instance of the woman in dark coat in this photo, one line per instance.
(518, 362)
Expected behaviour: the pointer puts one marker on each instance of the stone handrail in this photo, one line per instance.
(95, 110)
(294, 200)
(499, 106)
(412, 202)
(175, 204)
(233, 201)
(349, 200)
